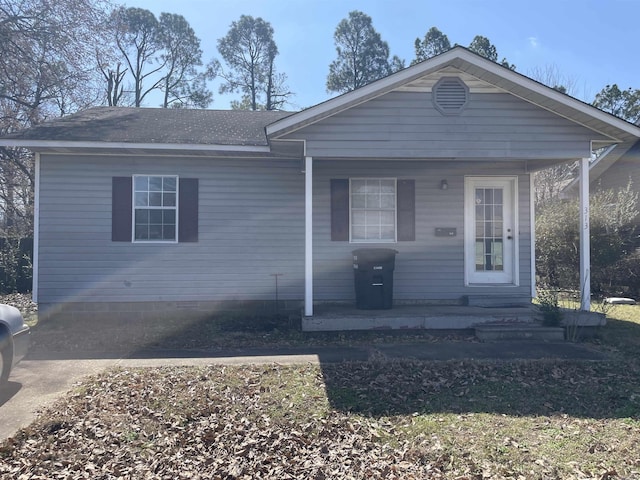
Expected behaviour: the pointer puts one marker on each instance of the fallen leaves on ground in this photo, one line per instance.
(360, 420)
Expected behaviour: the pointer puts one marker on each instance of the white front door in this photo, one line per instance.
(490, 230)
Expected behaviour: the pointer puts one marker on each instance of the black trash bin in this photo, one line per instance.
(373, 276)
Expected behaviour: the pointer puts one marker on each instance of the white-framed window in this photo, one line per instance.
(155, 208)
(372, 210)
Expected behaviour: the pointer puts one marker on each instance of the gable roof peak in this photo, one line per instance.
(471, 63)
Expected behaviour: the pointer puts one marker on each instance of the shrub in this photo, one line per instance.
(614, 238)
(549, 307)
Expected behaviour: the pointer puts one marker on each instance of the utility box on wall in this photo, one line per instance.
(446, 232)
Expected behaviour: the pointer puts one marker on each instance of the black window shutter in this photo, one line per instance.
(121, 209)
(188, 210)
(339, 209)
(406, 210)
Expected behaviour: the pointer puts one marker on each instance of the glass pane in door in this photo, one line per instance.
(489, 229)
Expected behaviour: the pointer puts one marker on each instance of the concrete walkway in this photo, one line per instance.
(43, 377)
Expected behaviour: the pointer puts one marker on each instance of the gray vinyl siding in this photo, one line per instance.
(251, 225)
(429, 268)
(406, 125)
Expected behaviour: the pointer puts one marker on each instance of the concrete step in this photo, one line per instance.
(534, 332)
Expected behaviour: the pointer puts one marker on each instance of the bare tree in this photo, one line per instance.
(46, 70)
(552, 77)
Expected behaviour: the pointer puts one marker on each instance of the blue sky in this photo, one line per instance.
(589, 43)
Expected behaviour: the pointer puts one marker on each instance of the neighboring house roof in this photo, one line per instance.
(152, 128)
(483, 72)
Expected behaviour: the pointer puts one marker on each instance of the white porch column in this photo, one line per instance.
(585, 240)
(35, 261)
(308, 236)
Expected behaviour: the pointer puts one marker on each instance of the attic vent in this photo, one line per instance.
(450, 95)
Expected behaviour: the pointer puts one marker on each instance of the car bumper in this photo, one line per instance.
(21, 343)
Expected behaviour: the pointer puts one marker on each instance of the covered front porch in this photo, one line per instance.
(518, 320)
(437, 162)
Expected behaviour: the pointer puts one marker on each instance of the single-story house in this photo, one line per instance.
(144, 212)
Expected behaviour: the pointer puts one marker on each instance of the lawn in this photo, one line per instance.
(380, 419)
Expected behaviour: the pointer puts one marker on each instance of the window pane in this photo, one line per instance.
(169, 217)
(372, 218)
(169, 232)
(372, 186)
(387, 232)
(387, 186)
(155, 184)
(142, 232)
(155, 199)
(141, 183)
(373, 201)
(387, 218)
(358, 201)
(388, 201)
(169, 199)
(169, 184)
(488, 196)
(155, 232)
(479, 255)
(359, 218)
(142, 199)
(488, 212)
(142, 217)
(358, 186)
(358, 233)
(373, 233)
(497, 255)
(155, 216)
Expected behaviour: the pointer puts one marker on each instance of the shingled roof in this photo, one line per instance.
(157, 126)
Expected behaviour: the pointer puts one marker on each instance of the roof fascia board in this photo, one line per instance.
(36, 144)
(543, 90)
(457, 57)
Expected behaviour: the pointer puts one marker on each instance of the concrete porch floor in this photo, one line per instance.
(329, 317)
(334, 317)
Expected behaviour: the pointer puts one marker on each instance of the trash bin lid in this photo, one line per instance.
(374, 254)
